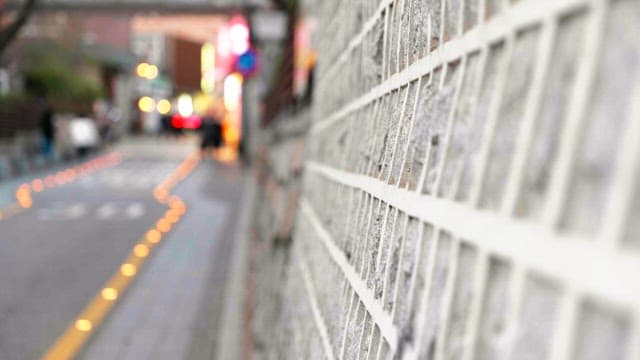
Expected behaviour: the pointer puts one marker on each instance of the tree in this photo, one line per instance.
(11, 31)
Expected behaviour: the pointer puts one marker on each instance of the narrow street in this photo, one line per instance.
(77, 238)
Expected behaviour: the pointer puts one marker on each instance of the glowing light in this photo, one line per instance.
(232, 91)
(224, 42)
(173, 216)
(177, 204)
(164, 106)
(163, 225)
(128, 270)
(84, 325)
(147, 71)
(153, 236)
(23, 195)
(160, 194)
(208, 67)
(142, 69)
(50, 181)
(152, 72)
(185, 105)
(37, 185)
(239, 35)
(109, 294)
(146, 104)
(141, 250)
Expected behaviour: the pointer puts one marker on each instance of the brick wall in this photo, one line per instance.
(470, 187)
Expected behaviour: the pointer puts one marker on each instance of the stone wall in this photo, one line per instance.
(470, 187)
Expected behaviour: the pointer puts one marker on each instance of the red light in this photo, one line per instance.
(190, 122)
(177, 121)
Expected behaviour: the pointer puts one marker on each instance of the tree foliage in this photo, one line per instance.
(54, 77)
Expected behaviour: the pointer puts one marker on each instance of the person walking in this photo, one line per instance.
(211, 131)
(47, 130)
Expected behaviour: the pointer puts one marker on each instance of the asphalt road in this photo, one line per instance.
(57, 255)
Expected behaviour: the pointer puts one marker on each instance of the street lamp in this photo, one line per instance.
(147, 71)
(146, 104)
(164, 106)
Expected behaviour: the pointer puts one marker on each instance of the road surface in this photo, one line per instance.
(58, 253)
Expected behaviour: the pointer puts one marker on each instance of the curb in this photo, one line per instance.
(232, 324)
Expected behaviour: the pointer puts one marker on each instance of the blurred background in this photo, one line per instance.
(305, 179)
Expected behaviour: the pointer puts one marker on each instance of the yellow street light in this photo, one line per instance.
(146, 104)
(164, 106)
(152, 72)
(147, 71)
(142, 69)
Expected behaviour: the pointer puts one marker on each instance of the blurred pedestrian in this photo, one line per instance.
(211, 131)
(165, 122)
(47, 130)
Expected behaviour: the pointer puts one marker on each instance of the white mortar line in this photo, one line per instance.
(368, 122)
(521, 15)
(399, 14)
(397, 137)
(563, 337)
(515, 298)
(374, 328)
(399, 272)
(385, 220)
(379, 351)
(527, 128)
(481, 70)
(372, 147)
(383, 320)
(343, 342)
(460, 26)
(447, 300)
(633, 349)
(450, 124)
(493, 117)
(315, 308)
(346, 326)
(399, 126)
(369, 258)
(427, 160)
(410, 18)
(362, 266)
(418, 263)
(385, 41)
(389, 259)
(410, 132)
(472, 325)
(625, 180)
(571, 134)
(413, 352)
(363, 333)
(443, 21)
(573, 260)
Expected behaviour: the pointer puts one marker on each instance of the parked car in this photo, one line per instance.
(83, 134)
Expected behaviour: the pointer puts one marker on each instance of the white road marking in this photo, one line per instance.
(135, 211)
(62, 211)
(76, 211)
(106, 211)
